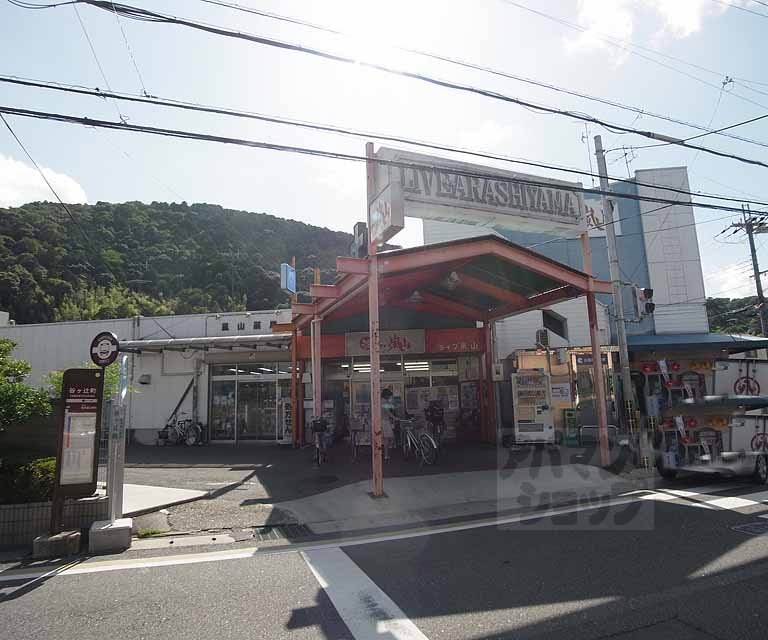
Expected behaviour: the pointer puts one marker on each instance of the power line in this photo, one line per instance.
(130, 54)
(617, 42)
(189, 135)
(478, 67)
(96, 59)
(151, 16)
(177, 104)
(740, 8)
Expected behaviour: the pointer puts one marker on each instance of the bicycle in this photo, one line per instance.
(319, 429)
(435, 416)
(180, 431)
(422, 445)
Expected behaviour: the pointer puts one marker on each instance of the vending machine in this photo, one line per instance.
(532, 407)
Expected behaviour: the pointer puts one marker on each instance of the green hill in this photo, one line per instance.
(152, 259)
(734, 315)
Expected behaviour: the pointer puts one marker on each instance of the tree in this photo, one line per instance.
(18, 401)
(54, 379)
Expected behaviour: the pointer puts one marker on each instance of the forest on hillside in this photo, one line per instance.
(152, 259)
(734, 315)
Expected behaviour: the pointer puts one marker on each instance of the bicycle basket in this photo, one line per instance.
(319, 425)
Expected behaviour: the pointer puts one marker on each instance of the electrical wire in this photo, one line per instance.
(189, 135)
(190, 106)
(96, 60)
(617, 42)
(478, 67)
(130, 54)
(740, 8)
(136, 13)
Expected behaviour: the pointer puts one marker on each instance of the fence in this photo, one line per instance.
(20, 524)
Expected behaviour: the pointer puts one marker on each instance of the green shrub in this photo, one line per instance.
(28, 482)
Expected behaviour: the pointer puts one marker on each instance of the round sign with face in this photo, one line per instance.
(104, 349)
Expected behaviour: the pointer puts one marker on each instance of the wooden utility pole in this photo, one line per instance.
(751, 228)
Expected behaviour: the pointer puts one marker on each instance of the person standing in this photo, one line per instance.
(387, 420)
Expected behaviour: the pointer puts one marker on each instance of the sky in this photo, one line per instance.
(655, 73)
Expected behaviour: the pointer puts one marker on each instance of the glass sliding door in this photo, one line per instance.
(222, 414)
(257, 410)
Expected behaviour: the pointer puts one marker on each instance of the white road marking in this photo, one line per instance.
(368, 612)
(732, 503)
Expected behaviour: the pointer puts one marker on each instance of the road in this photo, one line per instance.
(658, 565)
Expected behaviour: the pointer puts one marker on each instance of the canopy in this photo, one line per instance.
(482, 278)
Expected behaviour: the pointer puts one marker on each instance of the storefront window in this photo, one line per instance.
(391, 364)
(444, 372)
(335, 370)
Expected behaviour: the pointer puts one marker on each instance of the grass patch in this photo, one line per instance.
(149, 532)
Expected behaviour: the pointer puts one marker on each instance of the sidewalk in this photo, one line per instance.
(410, 501)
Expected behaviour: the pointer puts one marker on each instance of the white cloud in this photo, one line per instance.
(21, 183)
(730, 282)
(621, 20)
(685, 17)
(602, 18)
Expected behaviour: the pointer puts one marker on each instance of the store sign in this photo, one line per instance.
(439, 189)
(390, 342)
(593, 210)
(454, 340)
(77, 460)
(386, 213)
(586, 360)
(287, 278)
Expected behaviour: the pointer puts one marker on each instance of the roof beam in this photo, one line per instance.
(536, 302)
(356, 266)
(488, 289)
(303, 308)
(451, 306)
(324, 291)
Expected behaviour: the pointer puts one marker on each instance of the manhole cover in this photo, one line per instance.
(327, 479)
(753, 528)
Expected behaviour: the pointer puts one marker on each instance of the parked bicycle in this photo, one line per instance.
(319, 431)
(418, 445)
(180, 431)
(435, 416)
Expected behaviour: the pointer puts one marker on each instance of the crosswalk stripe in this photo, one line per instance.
(731, 503)
(368, 612)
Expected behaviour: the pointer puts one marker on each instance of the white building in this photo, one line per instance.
(210, 360)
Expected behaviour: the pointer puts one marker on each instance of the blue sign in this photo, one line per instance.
(287, 278)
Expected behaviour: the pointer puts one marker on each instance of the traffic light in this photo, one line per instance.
(644, 305)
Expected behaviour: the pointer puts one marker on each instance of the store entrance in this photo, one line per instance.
(257, 410)
(250, 402)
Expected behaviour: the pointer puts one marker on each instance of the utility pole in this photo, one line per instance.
(618, 301)
(748, 225)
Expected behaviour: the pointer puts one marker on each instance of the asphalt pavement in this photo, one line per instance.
(661, 564)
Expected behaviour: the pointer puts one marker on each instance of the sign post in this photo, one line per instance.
(105, 349)
(77, 455)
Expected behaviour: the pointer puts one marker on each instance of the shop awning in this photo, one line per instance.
(732, 343)
(483, 278)
(276, 340)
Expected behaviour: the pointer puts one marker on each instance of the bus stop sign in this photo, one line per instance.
(104, 349)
